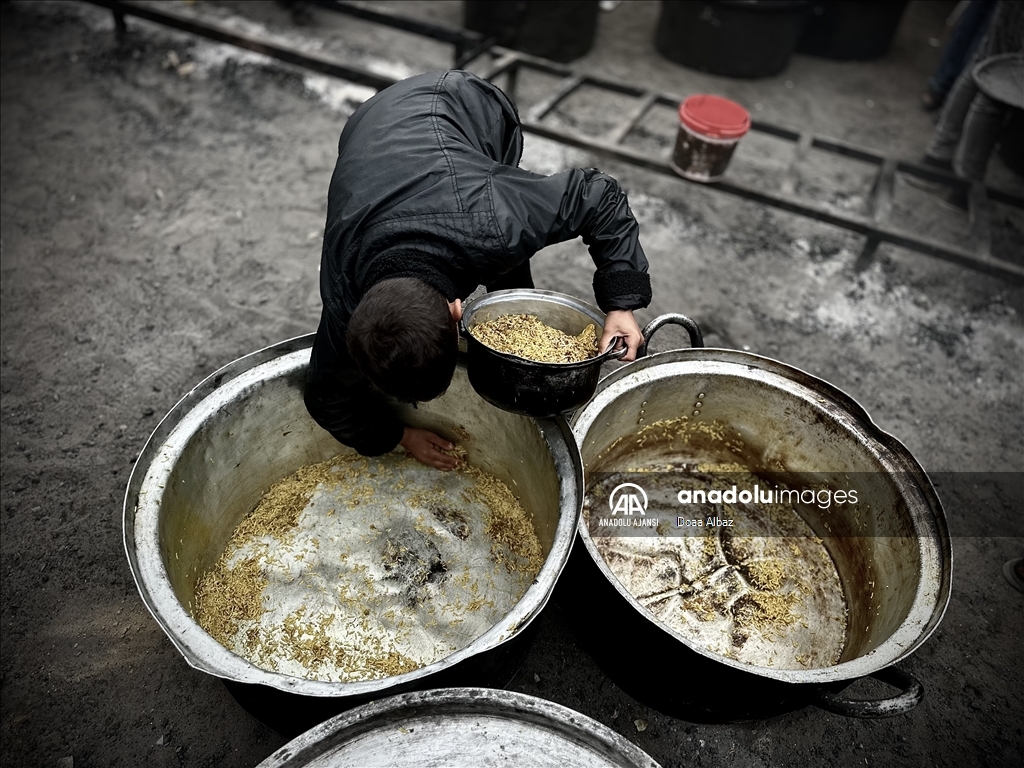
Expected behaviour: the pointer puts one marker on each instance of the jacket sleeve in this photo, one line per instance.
(341, 399)
(532, 211)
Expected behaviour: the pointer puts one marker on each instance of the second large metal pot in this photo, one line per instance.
(895, 577)
(212, 457)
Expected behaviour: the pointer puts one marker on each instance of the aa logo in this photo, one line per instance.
(628, 498)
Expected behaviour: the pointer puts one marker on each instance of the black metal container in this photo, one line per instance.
(735, 38)
(527, 387)
(562, 30)
(851, 30)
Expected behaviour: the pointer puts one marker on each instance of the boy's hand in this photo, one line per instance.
(620, 322)
(427, 448)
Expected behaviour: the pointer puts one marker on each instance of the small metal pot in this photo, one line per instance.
(210, 459)
(468, 727)
(896, 583)
(527, 387)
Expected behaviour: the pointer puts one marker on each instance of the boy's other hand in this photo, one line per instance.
(620, 322)
(428, 448)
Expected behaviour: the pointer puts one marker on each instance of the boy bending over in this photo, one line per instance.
(427, 203)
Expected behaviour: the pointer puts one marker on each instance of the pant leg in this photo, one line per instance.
(950, 127)
(963, 44)
(982, 127)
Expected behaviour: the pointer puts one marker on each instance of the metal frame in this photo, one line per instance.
(468, 44)
(875, 227)
(508, 63)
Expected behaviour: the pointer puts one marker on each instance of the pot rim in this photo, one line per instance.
(545, 719)
(141, 540)
(932, 534)
(551, 297)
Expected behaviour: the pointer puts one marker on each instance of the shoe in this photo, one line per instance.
(928, 185)
(931, 101)
(939, 165)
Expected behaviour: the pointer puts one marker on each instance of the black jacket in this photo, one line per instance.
(427, 186)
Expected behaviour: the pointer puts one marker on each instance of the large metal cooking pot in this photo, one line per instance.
(895, 580)
(467, 727)
(243, 428)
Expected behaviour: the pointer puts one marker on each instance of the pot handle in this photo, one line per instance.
(909, 697)
(672, 318)
(614, 351)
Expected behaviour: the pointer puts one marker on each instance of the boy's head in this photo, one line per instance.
(404, 338)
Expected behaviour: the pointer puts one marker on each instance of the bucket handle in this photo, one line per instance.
(910, 695)
(672, 318)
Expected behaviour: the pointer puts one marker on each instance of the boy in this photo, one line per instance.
(427, 203)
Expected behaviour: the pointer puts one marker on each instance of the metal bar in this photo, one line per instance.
(849, 150)
(510, 61)
(879, 207)
(468, 44)
(945, 177)
(880, 199)
(275, 50)
(981, 222)
(120, 28)
(803, 146)
(667, 100)
(1005, 198)
(930, 173)
(566, 87)
(499, 65)
(888, 234)
(404, 23)
(860, 225)
(617, 134)
(511, 80)
(867, 254)
(463, 56)
(560, 70)
(826, 144)
(775, 130)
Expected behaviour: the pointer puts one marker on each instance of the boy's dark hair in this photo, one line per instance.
(404, 339)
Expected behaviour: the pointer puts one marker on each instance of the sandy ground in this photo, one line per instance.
(161, 221)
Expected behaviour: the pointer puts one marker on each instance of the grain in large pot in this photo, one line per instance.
(360, 568)
(244, 428)
(890, 549)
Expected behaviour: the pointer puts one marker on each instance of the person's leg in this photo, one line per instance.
(517, 277)
(963, 44)
(982, 127)
(948, 130)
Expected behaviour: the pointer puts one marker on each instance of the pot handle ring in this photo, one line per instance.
(614, 351)
(911, 694)
(672, 318)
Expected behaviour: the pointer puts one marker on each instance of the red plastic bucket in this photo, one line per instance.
(710, 127)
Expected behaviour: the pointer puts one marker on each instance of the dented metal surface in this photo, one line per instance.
(244, 427)
(471, 727)
(895, 569)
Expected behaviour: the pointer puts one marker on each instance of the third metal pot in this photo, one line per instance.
(460, 728)
(895, 578)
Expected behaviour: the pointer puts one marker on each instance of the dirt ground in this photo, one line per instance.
(162, 210)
